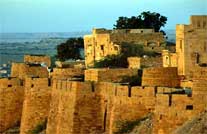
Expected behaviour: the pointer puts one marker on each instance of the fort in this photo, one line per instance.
(101, 103)
(104, 42)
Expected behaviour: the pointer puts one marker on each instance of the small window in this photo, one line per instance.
(141, 31)
(116, 48)
(204, 24)
(189, 107)
(205, 46)
(9, 85)
(181, 44)
(102, 47)
(32, 85)
(198, 24)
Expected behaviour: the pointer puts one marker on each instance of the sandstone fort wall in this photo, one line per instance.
(36, 103)
(38, 59)
(109, 75)
(22, 70)
(66, 73)
(164, 77)
(11, 102)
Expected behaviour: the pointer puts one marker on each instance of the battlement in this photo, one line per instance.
(38, 59)
(198, 21)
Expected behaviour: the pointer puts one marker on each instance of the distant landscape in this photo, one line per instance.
(13, 46)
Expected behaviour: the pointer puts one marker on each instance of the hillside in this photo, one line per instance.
(197, 125)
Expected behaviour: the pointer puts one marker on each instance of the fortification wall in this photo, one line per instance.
(170, 112)
(164, 77)
(36, 104)
(109, 75)
(85, 107)
(37, 59)
(74, 109)
(67, 73)
(11, 102)
(22, 70)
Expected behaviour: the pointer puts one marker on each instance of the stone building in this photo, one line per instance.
(104, 42)
(191, 47)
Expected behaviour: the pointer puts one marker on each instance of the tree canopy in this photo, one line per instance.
(70, 49)
(145, 20)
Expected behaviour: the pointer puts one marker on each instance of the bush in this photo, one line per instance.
(39, 128)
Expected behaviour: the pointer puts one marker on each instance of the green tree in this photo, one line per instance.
(144, 20)
(70, 49)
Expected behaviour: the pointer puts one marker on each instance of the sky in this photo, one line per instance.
(31, 16)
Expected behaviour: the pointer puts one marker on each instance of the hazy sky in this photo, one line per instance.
(83, 15)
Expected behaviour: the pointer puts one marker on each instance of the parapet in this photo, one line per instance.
(109, 75)
(38, 59)
(22, 70)
(164, 77)
(198, 21)
(10, 82)
(67, 73)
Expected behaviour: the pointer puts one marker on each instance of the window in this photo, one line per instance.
(204, 24)
(102, 47)
(198, 24)
(189, 107)
(205, 46)
(9, 85)
(116, 48)
(181, 45)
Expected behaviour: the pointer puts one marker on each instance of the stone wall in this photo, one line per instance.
(109, 75)
(67, 73)
(22, 70)
(164, 77)
(38, 59)
(11, 102)
(36, 103)
(85, 107)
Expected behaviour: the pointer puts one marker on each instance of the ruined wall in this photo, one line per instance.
(37, 59)
(22, 70)
(161, 77)
(11, 102)
(109, 75)
(36, 104)
(134, 62)
(66, 73)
